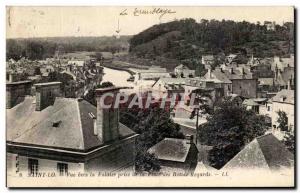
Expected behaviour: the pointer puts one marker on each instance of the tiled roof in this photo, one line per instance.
(201, 167)
(265, 152)
(271, 81)
(171, 149)
(285, 96)
(221, 76)
(250, 102)
(75, 130)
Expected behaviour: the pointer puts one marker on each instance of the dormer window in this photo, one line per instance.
(56, 123)
(283, 98)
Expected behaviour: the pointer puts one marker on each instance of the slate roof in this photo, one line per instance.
(284, 96)
(171, 149)
(264, 152)
(221, 76)
(202, 167)
(75, 130)
(250, 102)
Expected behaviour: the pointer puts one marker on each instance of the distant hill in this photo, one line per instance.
(186, 40)
(40, 48)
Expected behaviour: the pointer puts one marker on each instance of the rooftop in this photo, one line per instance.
(19, 82)
(65, 125)
(250, 102)
(47, 84)
(171, 149)
(265, 152)
(284, 96)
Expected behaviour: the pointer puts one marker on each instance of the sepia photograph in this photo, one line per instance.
(150, 96)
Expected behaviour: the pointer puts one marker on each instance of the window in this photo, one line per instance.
(56, 123)
(33, 166)
(269, 108)
(62, 168)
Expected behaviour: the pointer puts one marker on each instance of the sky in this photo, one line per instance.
(26, 21)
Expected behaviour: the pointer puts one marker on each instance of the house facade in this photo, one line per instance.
(283, 101)
(184, 71)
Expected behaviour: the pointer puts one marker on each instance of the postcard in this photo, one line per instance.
(150, 97)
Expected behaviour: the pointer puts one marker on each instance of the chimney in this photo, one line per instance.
(209, 73)
(107, 119)
(46, 94)
(12, 77)
(276, 72)
(16, 92)
(231, 70)
(94, 123)
(289, 83)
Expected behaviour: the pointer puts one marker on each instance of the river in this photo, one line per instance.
(117, 77)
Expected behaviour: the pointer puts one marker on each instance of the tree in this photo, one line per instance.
(146, 162)
(90, 96)
(228, 129)
(282, 120)
(289, 141)
(153, 124)
(203, 98)
(37, 71)
(99, 56)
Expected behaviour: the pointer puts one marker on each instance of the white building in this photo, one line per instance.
(207, 59)
(184, 71)
(283, 101)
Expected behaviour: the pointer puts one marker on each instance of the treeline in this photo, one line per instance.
(41, 48)
(186, 39)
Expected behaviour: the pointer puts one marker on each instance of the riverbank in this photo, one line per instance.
(122, 66)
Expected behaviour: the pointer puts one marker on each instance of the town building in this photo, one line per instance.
(212, 86)
(237, 81)
(168, 86)
(219, 75)
(183, 71)
(282, 62)
(152, 73)
(49, 133)
(230, 58)
(270, 25)
(283, 101)
(208, 60)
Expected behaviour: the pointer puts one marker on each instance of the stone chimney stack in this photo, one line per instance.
(209, 73)
(12, 77)
(16, 92)
(46, 94)
(276, 72)
(107, 119)
(189, 138)
(289, 83)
